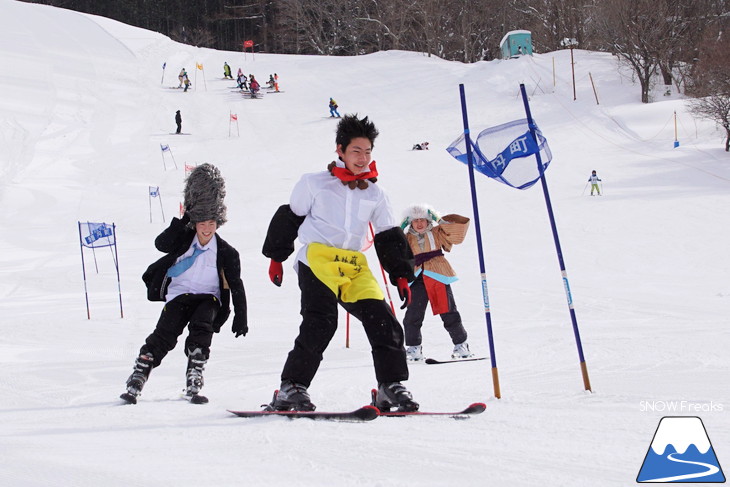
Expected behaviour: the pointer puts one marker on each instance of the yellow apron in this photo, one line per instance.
(345, 272)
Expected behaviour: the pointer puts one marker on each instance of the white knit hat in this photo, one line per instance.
(420, 210)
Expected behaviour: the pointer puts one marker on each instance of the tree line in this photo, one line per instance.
(682, 40)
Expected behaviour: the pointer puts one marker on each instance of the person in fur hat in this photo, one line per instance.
(196, 279)
(329, 211)
(434, 276)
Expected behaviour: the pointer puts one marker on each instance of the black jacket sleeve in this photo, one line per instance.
(395, 254)
(283, 230)
(175, 235)
(231, 267)
(174, 241)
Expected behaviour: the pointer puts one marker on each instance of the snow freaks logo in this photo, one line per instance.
(680, 452)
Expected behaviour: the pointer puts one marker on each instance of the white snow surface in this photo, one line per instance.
(83, 112)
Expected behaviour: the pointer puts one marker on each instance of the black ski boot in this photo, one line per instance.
(194, 376)
(291, 396)
(394, 395)
(142, 367)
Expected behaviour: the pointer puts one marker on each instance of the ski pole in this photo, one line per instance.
(347, 331)
(584, 189)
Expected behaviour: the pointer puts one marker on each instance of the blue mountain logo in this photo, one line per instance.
(681, 452)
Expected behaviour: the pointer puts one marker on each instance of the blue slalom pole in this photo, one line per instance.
(83, 271)
(566, 285)
(485, 293)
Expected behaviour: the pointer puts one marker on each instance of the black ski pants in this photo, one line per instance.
(416, 312)
(319, 323)
(195, 311)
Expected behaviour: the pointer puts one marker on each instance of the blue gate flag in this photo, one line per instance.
(96, 235)
(154, 191)
(506, 153)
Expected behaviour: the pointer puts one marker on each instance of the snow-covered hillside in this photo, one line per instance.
(84, 109)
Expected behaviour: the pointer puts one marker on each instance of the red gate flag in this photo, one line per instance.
(247, 44)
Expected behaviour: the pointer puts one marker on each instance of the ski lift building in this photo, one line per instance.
(515, 43)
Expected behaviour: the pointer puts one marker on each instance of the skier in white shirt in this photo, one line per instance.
(330, 212)
(594, 180)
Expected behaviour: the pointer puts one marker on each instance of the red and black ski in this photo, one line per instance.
(472, 409)
(365, 413)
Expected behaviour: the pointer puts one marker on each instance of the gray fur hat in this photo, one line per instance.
(205, 190)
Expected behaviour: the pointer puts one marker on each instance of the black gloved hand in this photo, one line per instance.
(240, 325)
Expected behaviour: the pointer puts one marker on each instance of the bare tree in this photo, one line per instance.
(389, 22)
(319, 26)
(710, 83)
(553, 20)
(635, 31)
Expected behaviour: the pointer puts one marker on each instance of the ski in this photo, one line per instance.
(471, 410)
(195, 399)
(433, 361)
(128, 398)
(365, 413)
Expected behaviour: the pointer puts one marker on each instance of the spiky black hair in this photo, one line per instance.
(351, 127)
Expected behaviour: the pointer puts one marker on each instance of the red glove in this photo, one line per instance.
(276, 272)
(404, 291)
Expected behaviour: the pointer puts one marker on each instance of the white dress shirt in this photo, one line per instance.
(202, 276)
(336, 215)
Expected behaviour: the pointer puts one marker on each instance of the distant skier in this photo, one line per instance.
(421, 146)
(242, 81)
(254, 87)
(227, 71)
(183, 74)
(178, 121)
(594, 180)
(187, 83)
(333, 108)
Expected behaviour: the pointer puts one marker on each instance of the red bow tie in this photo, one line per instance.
(354, 180)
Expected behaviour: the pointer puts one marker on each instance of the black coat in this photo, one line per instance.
(175, 240)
